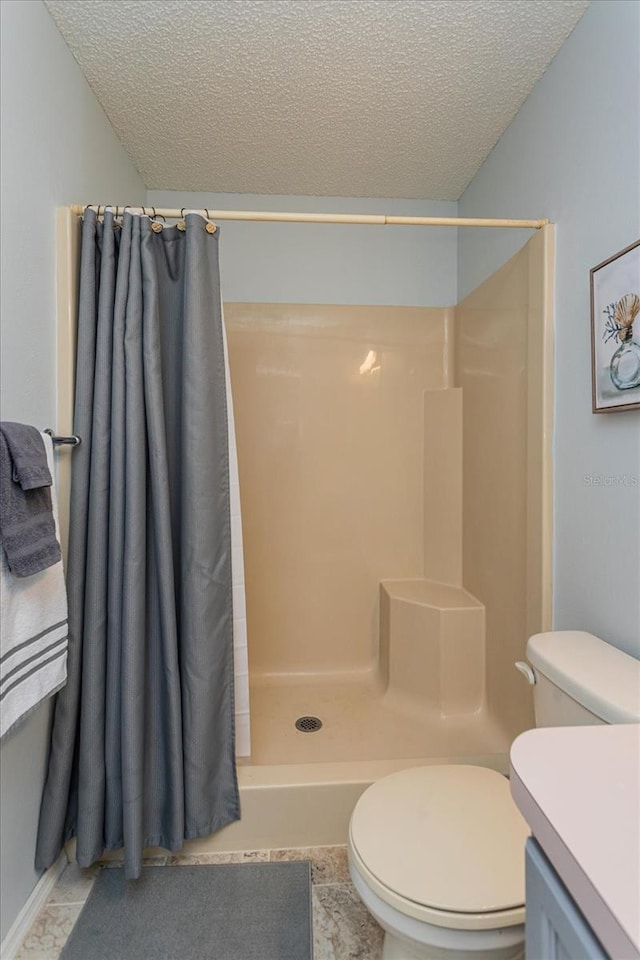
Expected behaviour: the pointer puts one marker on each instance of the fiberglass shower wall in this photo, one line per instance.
(329, 411)
(504, 365)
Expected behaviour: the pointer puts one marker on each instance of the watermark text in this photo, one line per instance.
(611, 480)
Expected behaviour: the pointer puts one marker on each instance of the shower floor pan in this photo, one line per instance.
(299, 788)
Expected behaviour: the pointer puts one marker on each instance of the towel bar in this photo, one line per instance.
(63, 441)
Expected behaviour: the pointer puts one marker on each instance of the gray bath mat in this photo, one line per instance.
(230, 911)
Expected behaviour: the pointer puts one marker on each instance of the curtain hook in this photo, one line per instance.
(181, 224)
(155, 226)
(209, 226)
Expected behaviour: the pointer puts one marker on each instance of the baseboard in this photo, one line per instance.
(37, 899)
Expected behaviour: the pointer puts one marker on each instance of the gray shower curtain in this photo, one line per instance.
(142, 749)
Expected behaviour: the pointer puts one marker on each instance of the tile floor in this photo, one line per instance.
(342, 928)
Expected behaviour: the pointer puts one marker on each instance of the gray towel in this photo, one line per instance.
(27, 452)
(27, 526)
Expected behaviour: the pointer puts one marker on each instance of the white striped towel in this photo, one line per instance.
(33, 633)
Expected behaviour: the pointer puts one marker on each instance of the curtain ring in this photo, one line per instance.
(155, 226)
(209, 226)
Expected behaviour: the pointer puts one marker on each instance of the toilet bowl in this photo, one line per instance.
(437, 856)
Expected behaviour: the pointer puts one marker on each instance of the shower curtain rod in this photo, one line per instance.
(285, 217)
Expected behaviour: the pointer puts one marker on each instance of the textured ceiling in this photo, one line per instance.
(378, 98)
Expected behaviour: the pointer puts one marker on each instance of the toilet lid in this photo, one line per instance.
(449, 837)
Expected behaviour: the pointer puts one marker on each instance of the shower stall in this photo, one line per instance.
(395, 478)
(395, 487)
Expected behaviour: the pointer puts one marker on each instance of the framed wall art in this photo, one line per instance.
(615, 331)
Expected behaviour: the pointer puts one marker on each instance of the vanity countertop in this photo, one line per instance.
(578, 788)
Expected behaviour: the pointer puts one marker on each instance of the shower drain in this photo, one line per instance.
(308, 724)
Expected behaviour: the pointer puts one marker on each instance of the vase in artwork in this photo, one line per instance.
(625, 363)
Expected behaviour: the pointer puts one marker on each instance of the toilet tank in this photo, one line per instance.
(580, 679)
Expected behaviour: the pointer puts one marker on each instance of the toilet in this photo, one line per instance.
(436, 853)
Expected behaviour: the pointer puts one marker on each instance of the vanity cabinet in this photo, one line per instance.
(555, 927)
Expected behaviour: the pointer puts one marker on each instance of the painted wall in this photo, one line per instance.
(57, 147)
(571, 154)
(328, 263)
